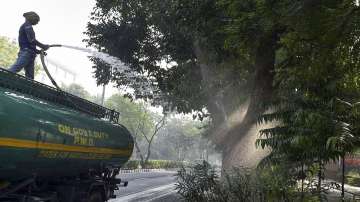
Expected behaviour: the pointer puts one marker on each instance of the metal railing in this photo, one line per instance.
(27, 86)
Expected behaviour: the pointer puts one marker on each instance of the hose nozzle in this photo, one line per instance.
(55, 45)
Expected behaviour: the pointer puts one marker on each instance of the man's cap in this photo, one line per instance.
(31, 16)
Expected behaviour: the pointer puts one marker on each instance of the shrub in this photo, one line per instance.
(131, 164)
(353, 178)
(199, 183)
(154, 164)
(202, 183)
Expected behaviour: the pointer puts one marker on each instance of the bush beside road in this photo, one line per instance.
(153, 164)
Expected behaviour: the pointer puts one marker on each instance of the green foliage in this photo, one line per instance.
(295, 59)
(198, 183)
(202, 183)
(159, 38)
(8, 52)
(133, 116)
(317, 80)
(142, 123)
(353, 178)
(180, 139)
(345, 124)
(77, 90)
(154, 164)
(80, 91)
(183, 139)
(131, 164)
(229, 38)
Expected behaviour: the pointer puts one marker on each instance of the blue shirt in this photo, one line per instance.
(27, 37)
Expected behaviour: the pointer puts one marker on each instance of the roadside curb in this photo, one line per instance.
(122, 171)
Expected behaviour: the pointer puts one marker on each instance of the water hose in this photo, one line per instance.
(42, 58)
(55, 45)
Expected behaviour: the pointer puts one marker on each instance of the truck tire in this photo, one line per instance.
(96, 196)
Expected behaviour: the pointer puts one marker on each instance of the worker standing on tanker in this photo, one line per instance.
(28, 43)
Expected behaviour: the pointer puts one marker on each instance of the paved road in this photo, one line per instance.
(146, 187)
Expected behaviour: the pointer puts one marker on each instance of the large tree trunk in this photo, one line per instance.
(208, 71)
(244, 153)
(239, 144)
(237, 134)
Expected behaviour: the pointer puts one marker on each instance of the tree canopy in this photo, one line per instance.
(143, 124)
(77, 90)
(8, 51)
(158, 38)
(284, 61)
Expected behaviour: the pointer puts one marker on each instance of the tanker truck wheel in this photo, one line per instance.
(96, 196)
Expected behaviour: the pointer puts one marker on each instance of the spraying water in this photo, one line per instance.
(114, 62)
(118, 66)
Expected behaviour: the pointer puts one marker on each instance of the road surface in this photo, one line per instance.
(148, 187)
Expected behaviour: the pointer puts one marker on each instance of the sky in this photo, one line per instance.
(61, 22)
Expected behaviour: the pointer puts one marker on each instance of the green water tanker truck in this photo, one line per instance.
(55, 146)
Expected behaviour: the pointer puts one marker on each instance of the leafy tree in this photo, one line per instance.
(182, 139)
(188, 37)
(143, 124)
(77, 90)
(318, 65)
(8, 52)
(149, 137)
(345, 140)
(295, 57)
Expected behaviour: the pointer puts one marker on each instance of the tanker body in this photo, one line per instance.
(57, 147)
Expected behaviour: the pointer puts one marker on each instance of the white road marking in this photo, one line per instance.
(151, 194)
(162, 195)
